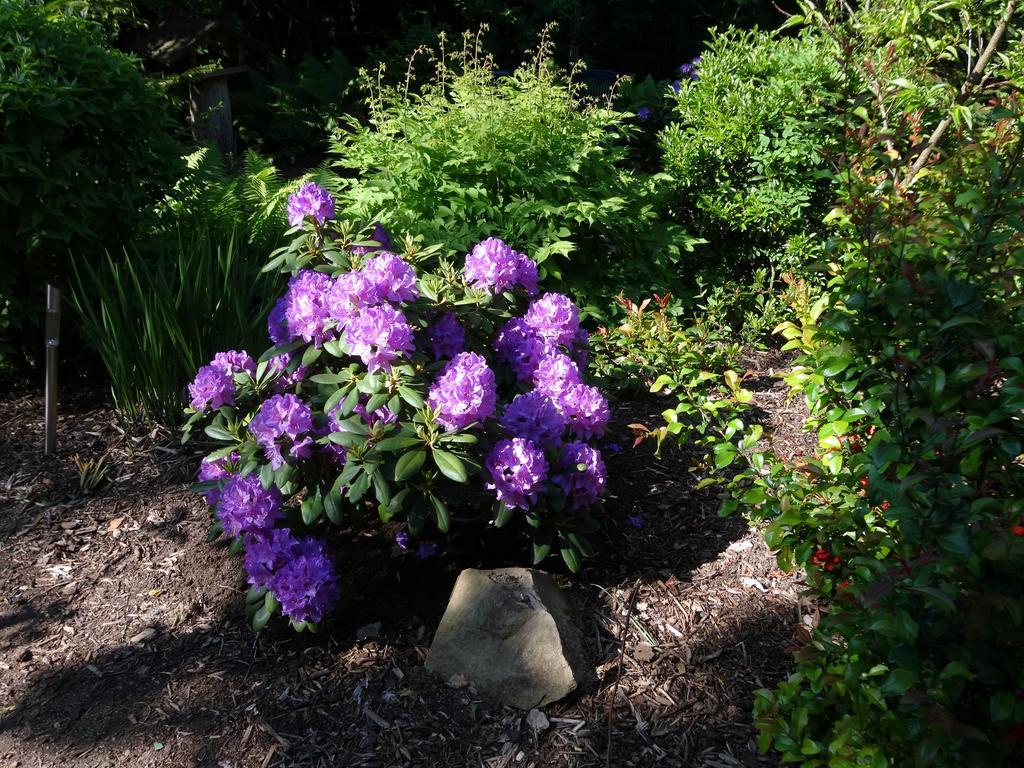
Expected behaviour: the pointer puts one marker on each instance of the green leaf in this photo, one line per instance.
(218, 433)
(571, 558)
(899, 682)
(451, 466)
(503, 515)
(540, 552)
(411, 396)
(1001, 706)
(440, 513)
(392, 444)
(409, 464)
(311, 509)
(260, 619)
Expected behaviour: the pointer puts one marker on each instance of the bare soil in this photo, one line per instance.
(123, 640)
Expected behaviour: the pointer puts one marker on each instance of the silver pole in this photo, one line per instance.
(52, 346)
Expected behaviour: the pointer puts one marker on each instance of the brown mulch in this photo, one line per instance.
(122, 639)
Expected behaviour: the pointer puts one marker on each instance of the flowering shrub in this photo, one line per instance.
(908, 518)
(394, 393)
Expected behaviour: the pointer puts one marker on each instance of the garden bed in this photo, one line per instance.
(123, 641)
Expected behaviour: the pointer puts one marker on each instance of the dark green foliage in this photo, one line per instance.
(910, 517)
(287, 112)
(474, 155)
(749, 147)
(155, 317)
(85, 149)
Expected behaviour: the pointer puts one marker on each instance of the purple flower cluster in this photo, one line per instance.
(245, 506)
(298, 572)
(283, 420)
(214, 384)
(464, 393)
(216, 469)
(582, 475)
(554, 318)
(518, 470)
(379, 336)
(309, 308)
(311, 201)
(550, 323)
(584, 408)
(534, 417)
(644, 113)
(494, 267)
(446, 336)
(389, 278)
(517, 345)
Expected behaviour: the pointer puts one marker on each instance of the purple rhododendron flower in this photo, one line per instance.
(217, 469)
(402, 541)
(277, 322)
(266, 552)
(349, 293)
(309, 307)
(464, 393)
(643, 113)
(518, 345)
(380, 236)
(534, 417)
(582, 475)
(554, 318)
(378, 336)
(585, 410)
(389, 278)
(306, 585)
(245, 506)
(555, 375)
(235, 362)
(446, 336)
(311, 200)
(283, 418)
(676, 87)
(493, 266)
(518, 469)
(212, 387)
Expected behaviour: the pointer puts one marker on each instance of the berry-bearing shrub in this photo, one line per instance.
(396, 394)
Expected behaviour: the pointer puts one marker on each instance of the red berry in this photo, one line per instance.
(885, 505)
(864, 481)
(1017, 530)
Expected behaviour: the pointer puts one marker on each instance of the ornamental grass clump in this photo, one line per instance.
(395, 394)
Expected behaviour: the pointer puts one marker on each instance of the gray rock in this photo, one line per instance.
(510, 633)
(537, 721)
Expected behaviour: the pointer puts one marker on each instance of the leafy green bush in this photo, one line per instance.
(474, 153)
(910, 518)
(233, 200)
(749, 146)
(85, 149)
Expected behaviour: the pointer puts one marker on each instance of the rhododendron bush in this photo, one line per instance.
(395, 393)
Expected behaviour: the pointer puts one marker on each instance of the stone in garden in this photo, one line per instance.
(511, 634)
